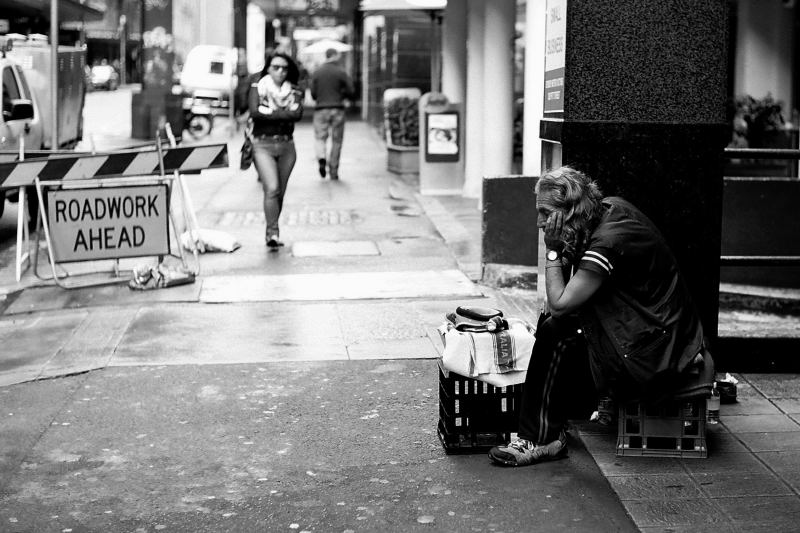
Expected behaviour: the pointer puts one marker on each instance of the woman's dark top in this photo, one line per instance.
(281, 121)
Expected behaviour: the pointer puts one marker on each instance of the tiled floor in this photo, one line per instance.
(750, 480)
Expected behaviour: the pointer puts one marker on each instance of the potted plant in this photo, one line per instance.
(401, 127)
(758, 123)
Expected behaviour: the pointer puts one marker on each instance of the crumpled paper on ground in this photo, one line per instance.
(209, 240)
(159, 277)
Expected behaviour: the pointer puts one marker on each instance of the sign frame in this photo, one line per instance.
(446, 127)
(59, 231)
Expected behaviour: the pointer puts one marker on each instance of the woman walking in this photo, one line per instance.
(275, 104)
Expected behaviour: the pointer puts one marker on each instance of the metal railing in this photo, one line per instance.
(761, 260)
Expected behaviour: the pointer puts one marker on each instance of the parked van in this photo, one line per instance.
(25, 114)
(207, 80)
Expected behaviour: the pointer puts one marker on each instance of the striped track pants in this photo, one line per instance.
(557, 380)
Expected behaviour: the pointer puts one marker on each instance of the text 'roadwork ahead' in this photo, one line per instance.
(109, 222)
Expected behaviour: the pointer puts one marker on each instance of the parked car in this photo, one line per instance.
(103, 77)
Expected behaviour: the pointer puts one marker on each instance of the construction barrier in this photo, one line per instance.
(184, 159)
(108, 206)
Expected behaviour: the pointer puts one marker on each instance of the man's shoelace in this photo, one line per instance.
(521, 445)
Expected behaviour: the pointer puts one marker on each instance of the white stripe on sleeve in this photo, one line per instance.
(603, 264)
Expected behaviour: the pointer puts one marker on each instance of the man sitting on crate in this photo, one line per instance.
(626, 305)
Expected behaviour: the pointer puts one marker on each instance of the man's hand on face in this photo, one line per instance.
(553, 231)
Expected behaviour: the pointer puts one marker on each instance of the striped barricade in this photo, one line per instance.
(100, 234)
(126, 163)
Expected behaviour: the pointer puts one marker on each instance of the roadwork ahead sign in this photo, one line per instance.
(108, 223)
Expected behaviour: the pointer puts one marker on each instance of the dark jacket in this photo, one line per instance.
(331, 86)
(641, 326)
(280, 121)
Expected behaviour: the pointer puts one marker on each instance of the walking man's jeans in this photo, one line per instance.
(329, 122)
(274, 160)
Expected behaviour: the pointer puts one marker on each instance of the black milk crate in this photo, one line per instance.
(473, 415)
(670, 430)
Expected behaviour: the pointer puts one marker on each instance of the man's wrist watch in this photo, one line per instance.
(553, 255)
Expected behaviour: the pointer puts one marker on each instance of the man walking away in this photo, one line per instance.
(330, 87)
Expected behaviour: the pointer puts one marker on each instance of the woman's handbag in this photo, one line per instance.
(247, 150)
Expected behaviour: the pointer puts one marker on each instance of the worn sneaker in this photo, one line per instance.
(522, 452)
(322, 163)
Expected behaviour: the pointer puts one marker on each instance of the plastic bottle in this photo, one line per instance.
(688, 412)
(712, 406)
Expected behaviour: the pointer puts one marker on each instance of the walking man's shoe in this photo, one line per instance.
(322, 164)
(273, 243)
(522, 452)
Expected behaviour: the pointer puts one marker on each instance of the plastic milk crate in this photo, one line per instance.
(670, 430)
(473, 415)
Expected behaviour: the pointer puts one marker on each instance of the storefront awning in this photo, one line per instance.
(395, 5)
(68, 10)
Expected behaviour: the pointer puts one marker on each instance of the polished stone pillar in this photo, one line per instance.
(454, 52)
(533, 86)
(498, 87)
(473, 134)
(644, 114)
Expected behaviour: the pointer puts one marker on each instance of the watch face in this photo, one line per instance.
(552, 255)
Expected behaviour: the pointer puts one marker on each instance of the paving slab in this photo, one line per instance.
(31, 342)
(771, 441)
(785, 461)
(674, 486)
(421, 348)
(782, 513)
(719, 461)
(738, 484)
(694, 514)
(341, 286)
(334, 248)
(53, 298)
(774, 386)
(759, 423)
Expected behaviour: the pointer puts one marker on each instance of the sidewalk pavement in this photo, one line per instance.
(751, 478)
(749, 482)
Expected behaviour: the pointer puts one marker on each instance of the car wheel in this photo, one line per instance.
(199, 126)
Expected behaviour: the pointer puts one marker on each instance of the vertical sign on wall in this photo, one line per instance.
(442, 136)
(554, 55)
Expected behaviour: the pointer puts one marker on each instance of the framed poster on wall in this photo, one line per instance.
(441, 132)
